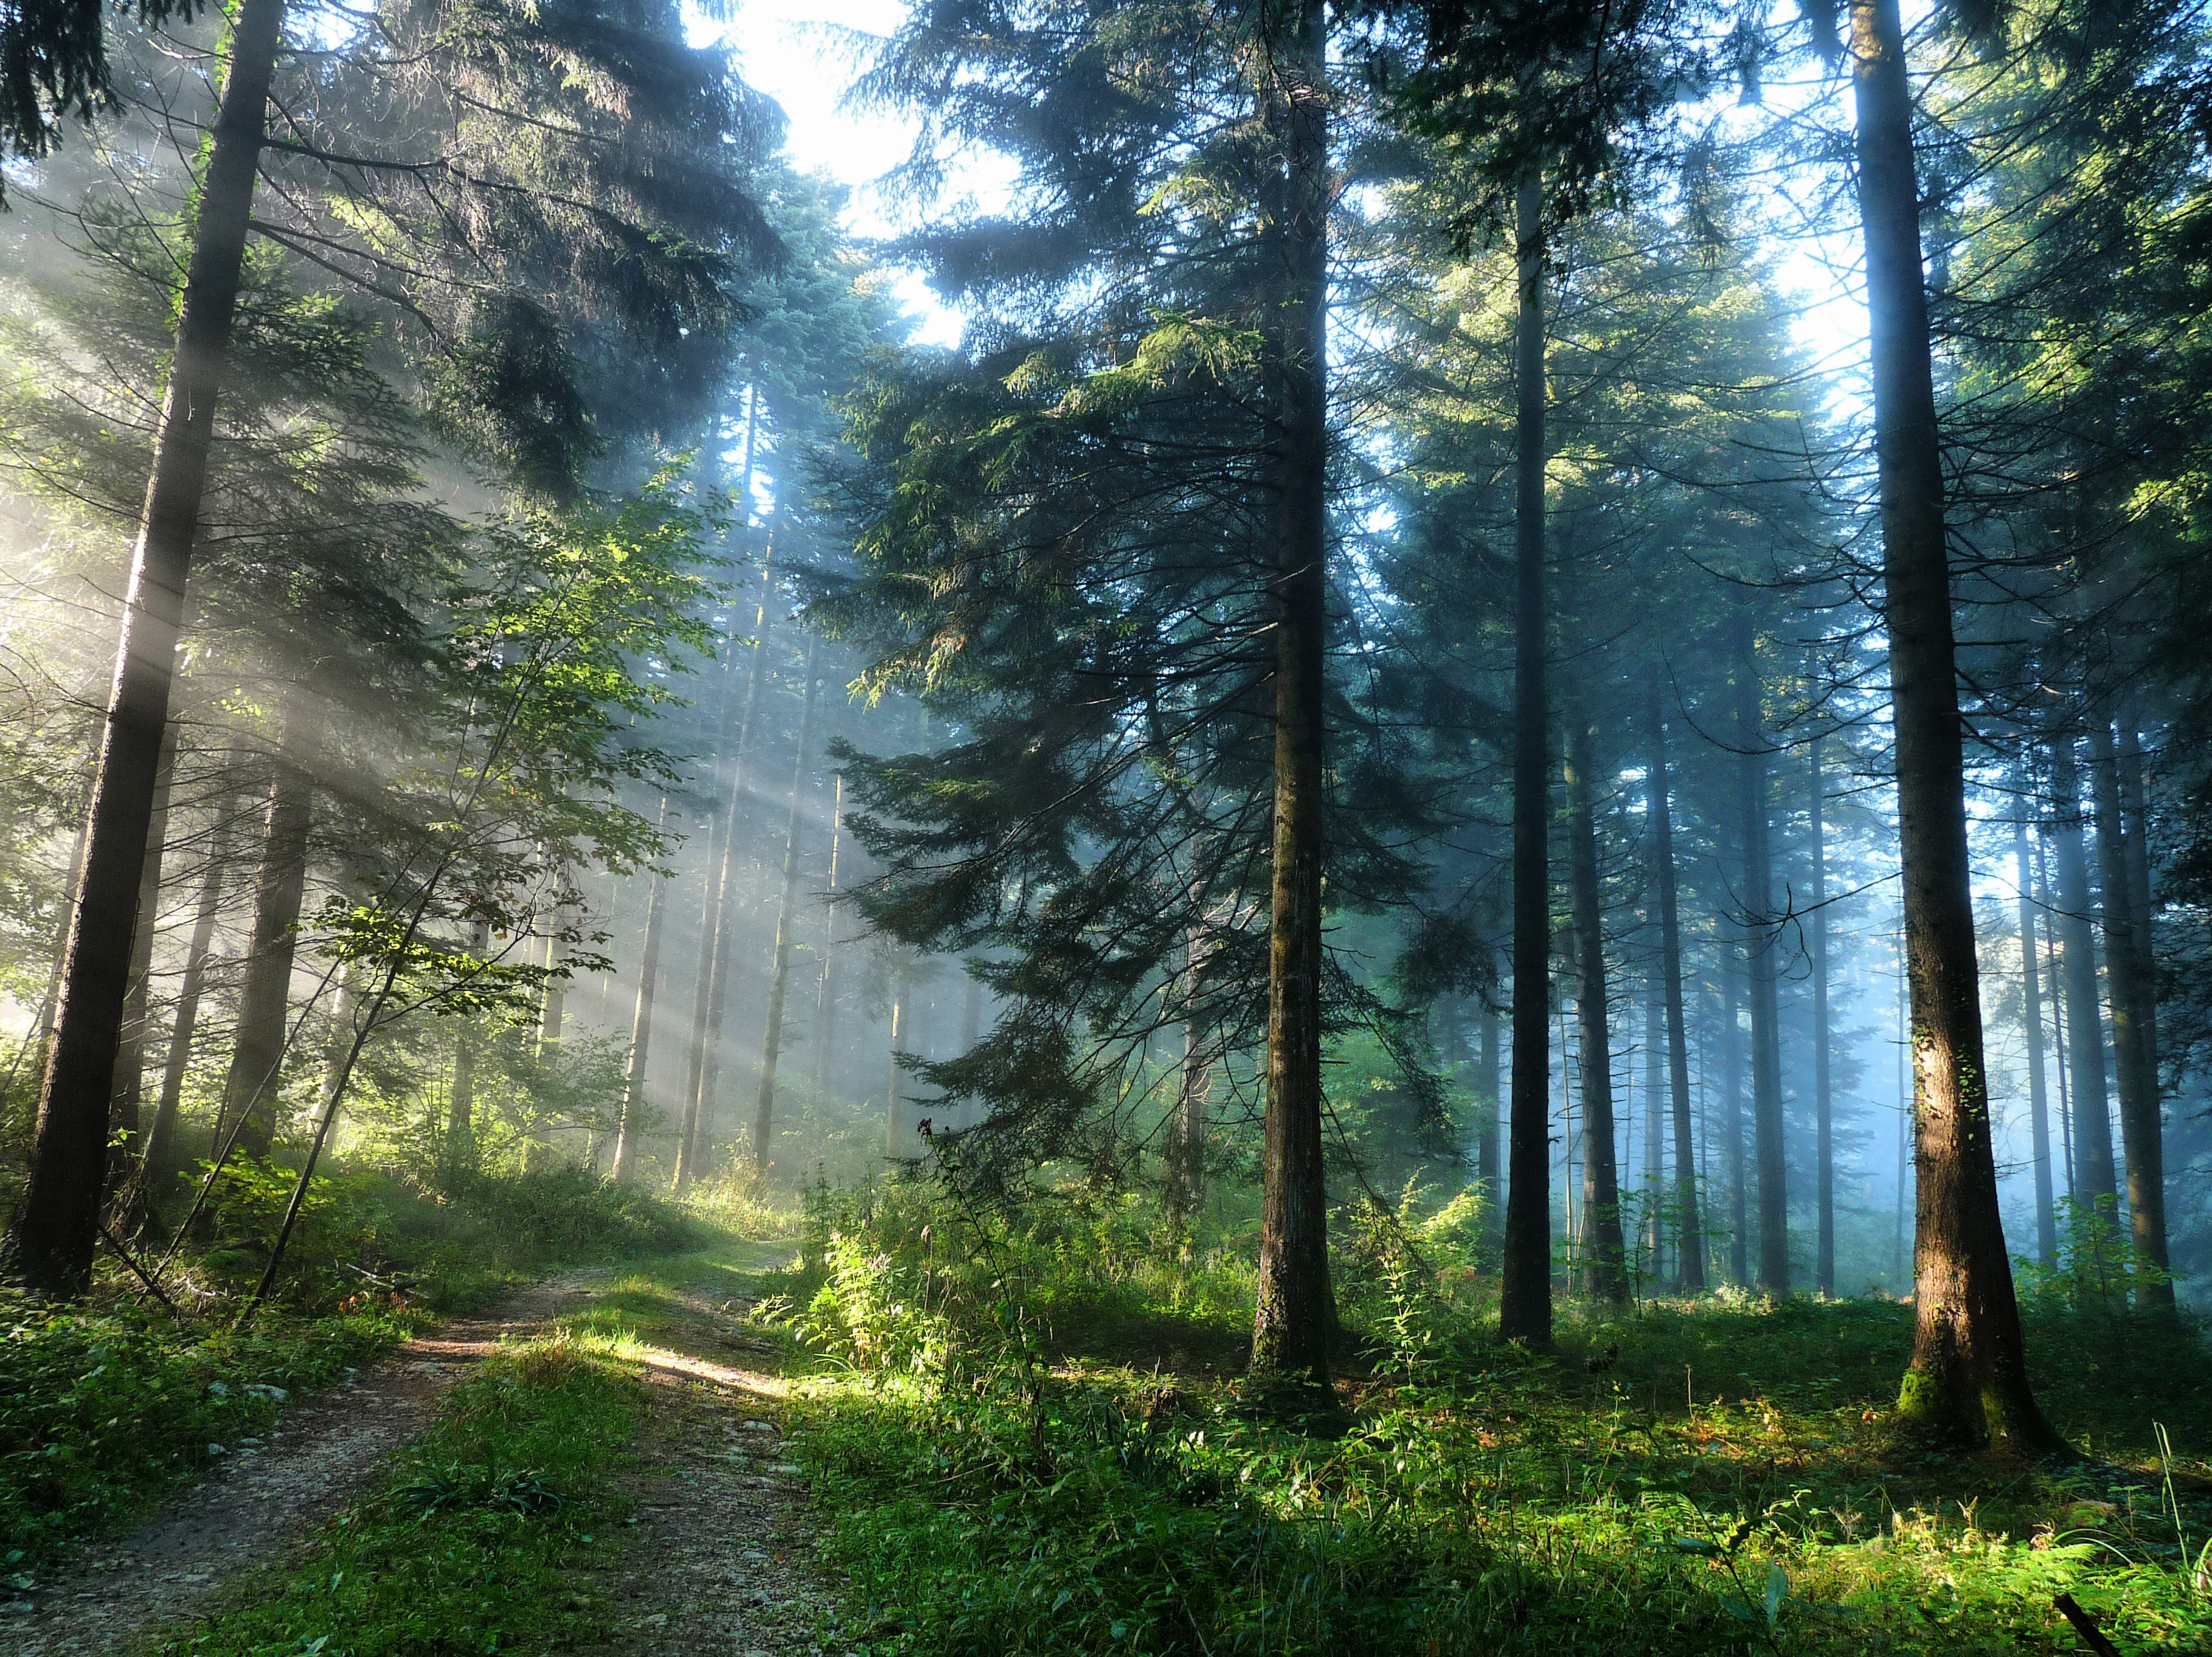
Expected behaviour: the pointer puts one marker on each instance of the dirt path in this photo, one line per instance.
(721, 1558)
(267, 1494)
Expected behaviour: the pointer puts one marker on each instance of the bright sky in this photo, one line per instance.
(804, 54)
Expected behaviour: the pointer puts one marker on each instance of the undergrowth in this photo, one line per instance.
(105, 1411)
(484, 1539)
(107, 1407)
(1711, 1475)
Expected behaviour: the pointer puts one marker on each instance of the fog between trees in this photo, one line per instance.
(1390, 656)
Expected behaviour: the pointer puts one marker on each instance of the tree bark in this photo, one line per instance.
(1295, 1312)
(786, 922)
(1732, 1072)
(1655, 1128)
(1604, 1252)
(1969, 1372)
(629, 1132)
(1824, 1269)
(1761, 951)
(461, 1097)
(2135, 1065)
(2039, 1107)
(131, 1049)
(893, 1128)
(163, 1159)
(51, 1241)
(1487, 1146)
(1524, 1299)
(1690, 1249)
(250, 1093)
(2096, 1187)
(826, 993)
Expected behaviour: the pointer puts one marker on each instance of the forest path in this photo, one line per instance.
(717, 1557)
(269, 1493)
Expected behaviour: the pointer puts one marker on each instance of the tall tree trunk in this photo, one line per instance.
(1604, 1252)
(629, 1132)
(1295, 1312)
(894, 1145)
(786, 922)
(2135, 1065)
(2051, 976)
(49, 1242)
(714, 967)
(1761, 951)
(1487, 1147)
(826, 993)
(709, 986)
(2046, 1213)
(2096, 1187)
(124, 1127)
(1969, 1369)
(1654, 1126)
(250, 1093)
(1823, 1098)
(1731, 1070)
(461, 1097)
(1690, 1250)
(1524, 1296)
(164, 1159)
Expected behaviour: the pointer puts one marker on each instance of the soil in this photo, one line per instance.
(720, 1555)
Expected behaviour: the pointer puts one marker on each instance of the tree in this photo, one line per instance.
(1969, 1372)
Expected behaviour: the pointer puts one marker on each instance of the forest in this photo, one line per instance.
(1155, 827)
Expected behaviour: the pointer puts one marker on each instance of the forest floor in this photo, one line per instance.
(709, 1546)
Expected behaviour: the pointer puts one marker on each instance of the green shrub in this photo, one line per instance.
(104, 1411)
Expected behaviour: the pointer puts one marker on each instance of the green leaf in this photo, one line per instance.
(1777, 1590)
(1690, 1545)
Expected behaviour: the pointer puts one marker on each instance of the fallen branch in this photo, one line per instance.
(2086, 1626)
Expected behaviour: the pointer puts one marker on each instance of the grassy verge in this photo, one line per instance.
(103, 1411)
(107, 1407)
(487, 1536)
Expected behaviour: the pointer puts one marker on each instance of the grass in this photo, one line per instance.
(104, 1411)
(107, 1407)
(1723, 1475)
(487, 1536)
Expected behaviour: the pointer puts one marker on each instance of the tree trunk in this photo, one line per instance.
(893, 1128)
(826, 993)
(1524, 1297)
(1295, 1312)
(1761, 951)
(701, 1071)
(461, 1098)
(1654, 1128)
(630, 1131)
(1823, 1098)
(705, 1071)
(1690, 1250)
(1604, 1253)
(2134, 1064)
(130, 1050)
(2096, 1188)
(1731, 1070)
(2051, 976)
(1487, 1147)
(250, 1093)
(51, 1241)
(163, 1158)
(2046, 1212)
(1969, 1370)
(786, 922)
